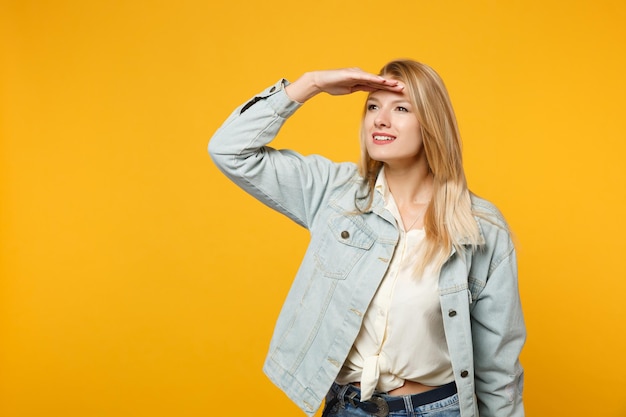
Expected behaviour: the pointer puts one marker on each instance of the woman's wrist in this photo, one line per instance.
(303, 88)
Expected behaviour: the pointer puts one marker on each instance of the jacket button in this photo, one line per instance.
(464, 374)
(451, 313)
(345, 234)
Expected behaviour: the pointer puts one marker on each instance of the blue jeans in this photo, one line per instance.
(342, 407)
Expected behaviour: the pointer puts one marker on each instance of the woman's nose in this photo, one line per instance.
(382, 119)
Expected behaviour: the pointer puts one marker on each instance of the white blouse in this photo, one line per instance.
(402, 336)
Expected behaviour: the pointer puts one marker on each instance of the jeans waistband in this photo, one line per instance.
(381, 405)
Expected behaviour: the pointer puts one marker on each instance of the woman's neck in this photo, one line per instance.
(410, 185)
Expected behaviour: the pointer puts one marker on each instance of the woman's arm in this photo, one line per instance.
(499, 333)
(285, 180)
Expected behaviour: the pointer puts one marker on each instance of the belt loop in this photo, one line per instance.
(351, 398)
(408, 404)
(341, 395)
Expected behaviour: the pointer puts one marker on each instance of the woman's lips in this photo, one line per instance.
(383, 138)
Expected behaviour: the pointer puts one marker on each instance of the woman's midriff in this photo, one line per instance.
(409, 388)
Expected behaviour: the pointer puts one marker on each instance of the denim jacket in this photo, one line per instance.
(348, 255)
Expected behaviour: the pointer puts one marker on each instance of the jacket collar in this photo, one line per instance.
(380, 198)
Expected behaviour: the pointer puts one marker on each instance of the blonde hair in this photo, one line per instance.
(448, 221)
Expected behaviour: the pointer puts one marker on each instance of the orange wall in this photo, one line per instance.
(137, 281)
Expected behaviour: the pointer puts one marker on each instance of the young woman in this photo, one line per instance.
(406, 302)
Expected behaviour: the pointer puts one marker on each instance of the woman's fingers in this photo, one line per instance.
(382, 84)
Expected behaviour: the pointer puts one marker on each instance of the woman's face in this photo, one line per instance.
(391, 130)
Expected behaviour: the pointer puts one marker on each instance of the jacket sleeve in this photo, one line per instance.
(286, 181)
(498, 334)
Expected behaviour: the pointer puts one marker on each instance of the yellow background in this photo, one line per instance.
(137, 281)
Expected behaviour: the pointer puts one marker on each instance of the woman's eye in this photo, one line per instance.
(372, 107)
(403, 109)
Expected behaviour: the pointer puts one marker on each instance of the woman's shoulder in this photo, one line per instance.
(348, 180)
(487, 213)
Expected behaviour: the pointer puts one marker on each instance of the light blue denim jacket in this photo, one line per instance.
(347, 258)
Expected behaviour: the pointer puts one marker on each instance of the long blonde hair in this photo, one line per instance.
(448, 221)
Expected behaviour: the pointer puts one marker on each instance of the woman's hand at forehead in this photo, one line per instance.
(338, 82)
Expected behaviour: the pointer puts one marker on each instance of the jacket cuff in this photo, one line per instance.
(277, 98)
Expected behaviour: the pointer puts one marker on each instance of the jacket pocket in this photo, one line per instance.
(346, 239)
